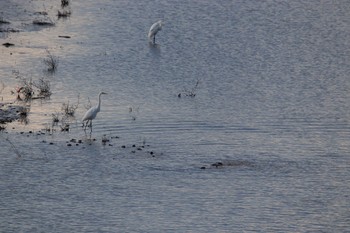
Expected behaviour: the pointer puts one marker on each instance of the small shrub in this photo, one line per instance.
(134, 111)
(69, 109)
(64, 124)
(190, 92)
(63, 13)
(55, 119)
(64, 3)
(44, 87)
(51, 62)
(25, 87)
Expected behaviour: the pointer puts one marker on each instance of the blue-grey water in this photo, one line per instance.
(272, 106)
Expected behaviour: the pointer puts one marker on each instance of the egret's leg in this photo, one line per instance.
(87, 124)
(154, 39)
(90, 126)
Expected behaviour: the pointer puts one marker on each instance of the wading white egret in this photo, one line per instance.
(92, 112)
(155, 28)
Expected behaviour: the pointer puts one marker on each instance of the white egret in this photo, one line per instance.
(92, 112)
(155, 28)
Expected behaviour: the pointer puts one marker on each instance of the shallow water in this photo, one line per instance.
(272, 106)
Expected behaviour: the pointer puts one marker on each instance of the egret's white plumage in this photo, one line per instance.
(92, 112)
(155, 28)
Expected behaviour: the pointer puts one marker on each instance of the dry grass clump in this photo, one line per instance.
(190, 92)
(64, 13)
(64, 117)
(64, 3)
(51, 61)
(44, 87)
(25, 87)
(69, 109)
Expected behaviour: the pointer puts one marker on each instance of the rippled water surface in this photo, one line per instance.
(271, 111)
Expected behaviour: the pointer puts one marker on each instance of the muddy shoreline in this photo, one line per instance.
(18, 16)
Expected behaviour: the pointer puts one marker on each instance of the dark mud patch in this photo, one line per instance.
(9, 112)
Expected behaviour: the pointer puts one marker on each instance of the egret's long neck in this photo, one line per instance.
(99, 101)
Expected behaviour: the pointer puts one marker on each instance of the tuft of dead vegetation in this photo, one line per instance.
(190, 92)
(134, 111)
(59, 120)
(63, 13)
(44, 87)
(51, 62)
(64, 3)
(65, 125)
(25, 87)
(63, 118)
(69, 109)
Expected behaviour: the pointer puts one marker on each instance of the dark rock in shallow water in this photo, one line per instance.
(8, 44)
(217, 164)
(43, 23)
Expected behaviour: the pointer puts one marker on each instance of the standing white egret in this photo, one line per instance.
(155, 28)
(92, 112)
